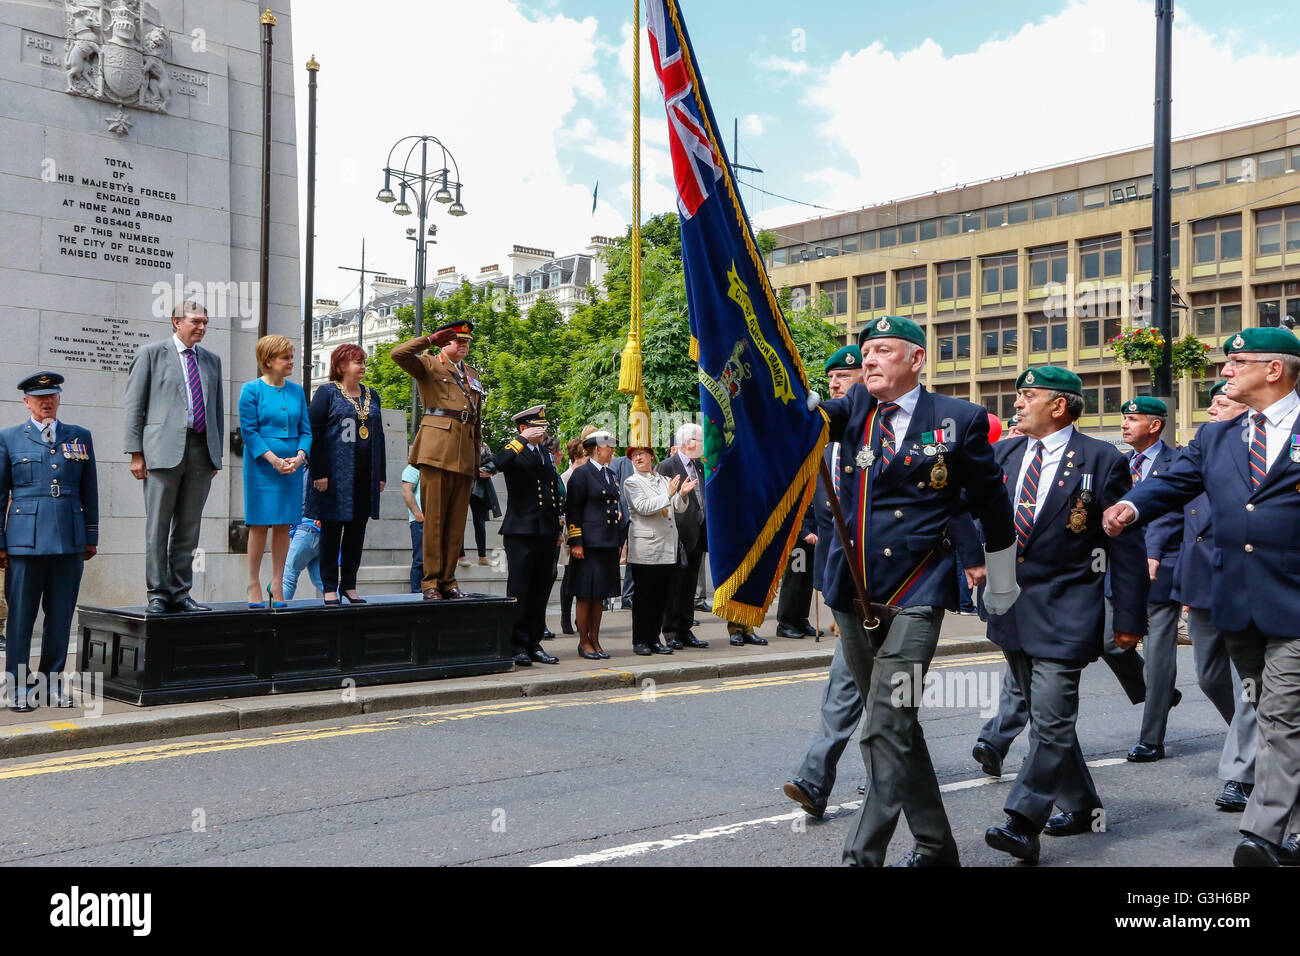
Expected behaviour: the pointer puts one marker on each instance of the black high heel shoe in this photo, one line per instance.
(352, 600)
(328, 602)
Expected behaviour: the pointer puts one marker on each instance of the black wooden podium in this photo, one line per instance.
(232, 651)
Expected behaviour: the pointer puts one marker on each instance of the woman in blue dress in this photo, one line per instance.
(276, 432)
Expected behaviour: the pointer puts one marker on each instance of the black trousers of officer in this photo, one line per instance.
(49, 581)
(530, 566)
(795, 602)
(681, 596)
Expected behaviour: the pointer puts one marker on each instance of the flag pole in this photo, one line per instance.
(629, 369)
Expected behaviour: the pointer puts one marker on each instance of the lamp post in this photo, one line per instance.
(444, 179)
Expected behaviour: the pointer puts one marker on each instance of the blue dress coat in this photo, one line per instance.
(335, 436)
(275, 420)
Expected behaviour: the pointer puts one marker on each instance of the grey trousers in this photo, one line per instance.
(173, 506)
(1054, 772)
(1127, 665)
(1219, 681)
(1270, 672)
(841, 711)
(1161, 670)
(1013, 713)
(901, 773)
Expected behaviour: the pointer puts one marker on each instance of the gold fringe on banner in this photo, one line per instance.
(694, 349)
(629, 366)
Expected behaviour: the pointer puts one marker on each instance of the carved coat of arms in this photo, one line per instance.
(117, 52)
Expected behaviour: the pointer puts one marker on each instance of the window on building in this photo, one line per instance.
(1207, 175)
(999, 273)
(909, 287)
(949, 225)
(799, 297)
(930, 229)
(887, 237)
(971, 221)
(952, 343)
(1272, 163)
(1216, 241)
(954, 282)
(1067, 203)
(1101, 395)
(1276, 231)
(907, 233)
(1094, 197)
(1099, 258)
(871, 292)
(1180, 180)
(1239, 170)
(779, 257)
(998, 340)
(835, 296)
(1275, 300)
(994, 217)
(1044, 208)
(1095, 333)
(1215, 314)
(868, 241)
(1048, 264)
(1018, 212)
(1048, 334)
(850, 243)
(999, 398)
(1142, 249)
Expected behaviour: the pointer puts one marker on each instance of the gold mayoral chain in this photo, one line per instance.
(363, 411)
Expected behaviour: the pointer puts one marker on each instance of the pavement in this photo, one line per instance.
(111, 723)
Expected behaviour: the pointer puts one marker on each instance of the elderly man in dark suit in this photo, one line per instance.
(175, 433)
(1250, 469)
(1060, 481)
(693, 534)
(906, 457)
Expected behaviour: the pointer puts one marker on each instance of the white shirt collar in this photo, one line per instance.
(1055, 441)
(179, 345)
(908, 401)
(1279, 410)
(40, 427)
(1152, 453)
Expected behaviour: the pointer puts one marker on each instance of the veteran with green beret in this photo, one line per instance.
(1249, 468)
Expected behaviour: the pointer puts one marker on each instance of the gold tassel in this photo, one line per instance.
(629, 367)
(638, 424)
(694, 349)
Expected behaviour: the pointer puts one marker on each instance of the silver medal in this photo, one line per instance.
(865, 458)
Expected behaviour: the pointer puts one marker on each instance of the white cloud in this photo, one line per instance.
(791, 68)
(752, 124)
(1070, 85)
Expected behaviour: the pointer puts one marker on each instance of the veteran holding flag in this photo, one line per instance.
(906, 456)
(1249, 467)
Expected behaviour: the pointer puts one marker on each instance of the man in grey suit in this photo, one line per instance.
(175, 428)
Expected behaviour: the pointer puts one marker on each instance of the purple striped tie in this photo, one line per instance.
(1258, 452)
(196, 391)
(1028, 496)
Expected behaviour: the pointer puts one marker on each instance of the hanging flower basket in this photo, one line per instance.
(1191, 357)
(1140, 345)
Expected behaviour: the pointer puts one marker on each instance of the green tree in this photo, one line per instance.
(766, 240)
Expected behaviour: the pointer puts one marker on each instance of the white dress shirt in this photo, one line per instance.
(901, 420)
(185, 378)
(1053, 449)
(1279, 425)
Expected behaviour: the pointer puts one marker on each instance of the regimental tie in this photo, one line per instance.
(1135, 467)
(196, 390)
(887, 441)
(1028, 496)
(1258, 452)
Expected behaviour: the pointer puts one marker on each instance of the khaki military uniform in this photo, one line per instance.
(446, 451)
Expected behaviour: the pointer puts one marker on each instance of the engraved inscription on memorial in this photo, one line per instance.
(116, 220)
(105, 344)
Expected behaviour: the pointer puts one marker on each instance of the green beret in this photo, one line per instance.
(1263, 340)
(892, 327)
(1145, 405)
(849, 357)
(1051, 377)
(1013, 421)
(1218, 387)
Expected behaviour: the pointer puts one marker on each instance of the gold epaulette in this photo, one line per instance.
(574, 532)
(515, 445)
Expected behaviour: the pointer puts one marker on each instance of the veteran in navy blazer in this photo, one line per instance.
(906, 456)
(1060, 481)
(1250, 469)
(50, 496)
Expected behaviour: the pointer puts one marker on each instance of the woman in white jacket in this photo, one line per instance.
(651, 546)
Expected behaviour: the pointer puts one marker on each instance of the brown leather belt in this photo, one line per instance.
(462, 415)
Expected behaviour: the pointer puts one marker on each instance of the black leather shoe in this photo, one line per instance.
(695, 622)
(690, 640)
(987, 756)
(1010, 838)
(806, 795)
(589, 655)
(660, 649)
(602, 655)
(541, 657)
(189, 604)
(1234, 797)
(1256, 851)
(916, 858)
(750, 638)
(1174, 701)
(1290, 855)
(523, 660)
(642, 650)
(812, 631)
(790, 632)
(671, 642)
(1068, 823)
(548, 634)
(736, 640)
(454, 594)
(156, 606)
(1145, 753)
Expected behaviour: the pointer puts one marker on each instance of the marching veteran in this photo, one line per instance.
(446, 450)
(906, 456)
(49, 490)
(1249, 467)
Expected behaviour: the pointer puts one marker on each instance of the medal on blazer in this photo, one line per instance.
(1295, 449)
(939, 474)
(1085, 488)
(1079, 513)
(865, 458)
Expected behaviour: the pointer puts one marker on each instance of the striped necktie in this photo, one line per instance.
(1258, 452)
(1028, 496)
(1135, 467)
(887, 441)
(196, 391)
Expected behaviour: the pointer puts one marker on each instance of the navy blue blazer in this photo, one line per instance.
(1164, 536)
(1193, 567)
(333, 455)
(1255, 557)
(1060, 613)
(908, 547)
(823, 522)
(534, 494)
(31, 471)
(592, 510)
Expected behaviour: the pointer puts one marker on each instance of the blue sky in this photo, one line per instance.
(842, 104)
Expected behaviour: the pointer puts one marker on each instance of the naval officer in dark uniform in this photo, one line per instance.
(51, 501)
(906, 456)
(1249, 467)
(531, 530)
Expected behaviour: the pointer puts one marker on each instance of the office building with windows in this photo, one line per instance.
(1046, 266)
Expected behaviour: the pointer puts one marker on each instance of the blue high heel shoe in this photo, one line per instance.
(275, 605)
(256, 607)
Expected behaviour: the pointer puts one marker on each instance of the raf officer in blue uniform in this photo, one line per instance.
(51, 500)
(906, 456)
(1060, 482)
(1249, 467)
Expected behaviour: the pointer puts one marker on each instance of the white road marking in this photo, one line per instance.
(729, 829)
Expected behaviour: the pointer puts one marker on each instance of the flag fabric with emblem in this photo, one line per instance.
(761, 443)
